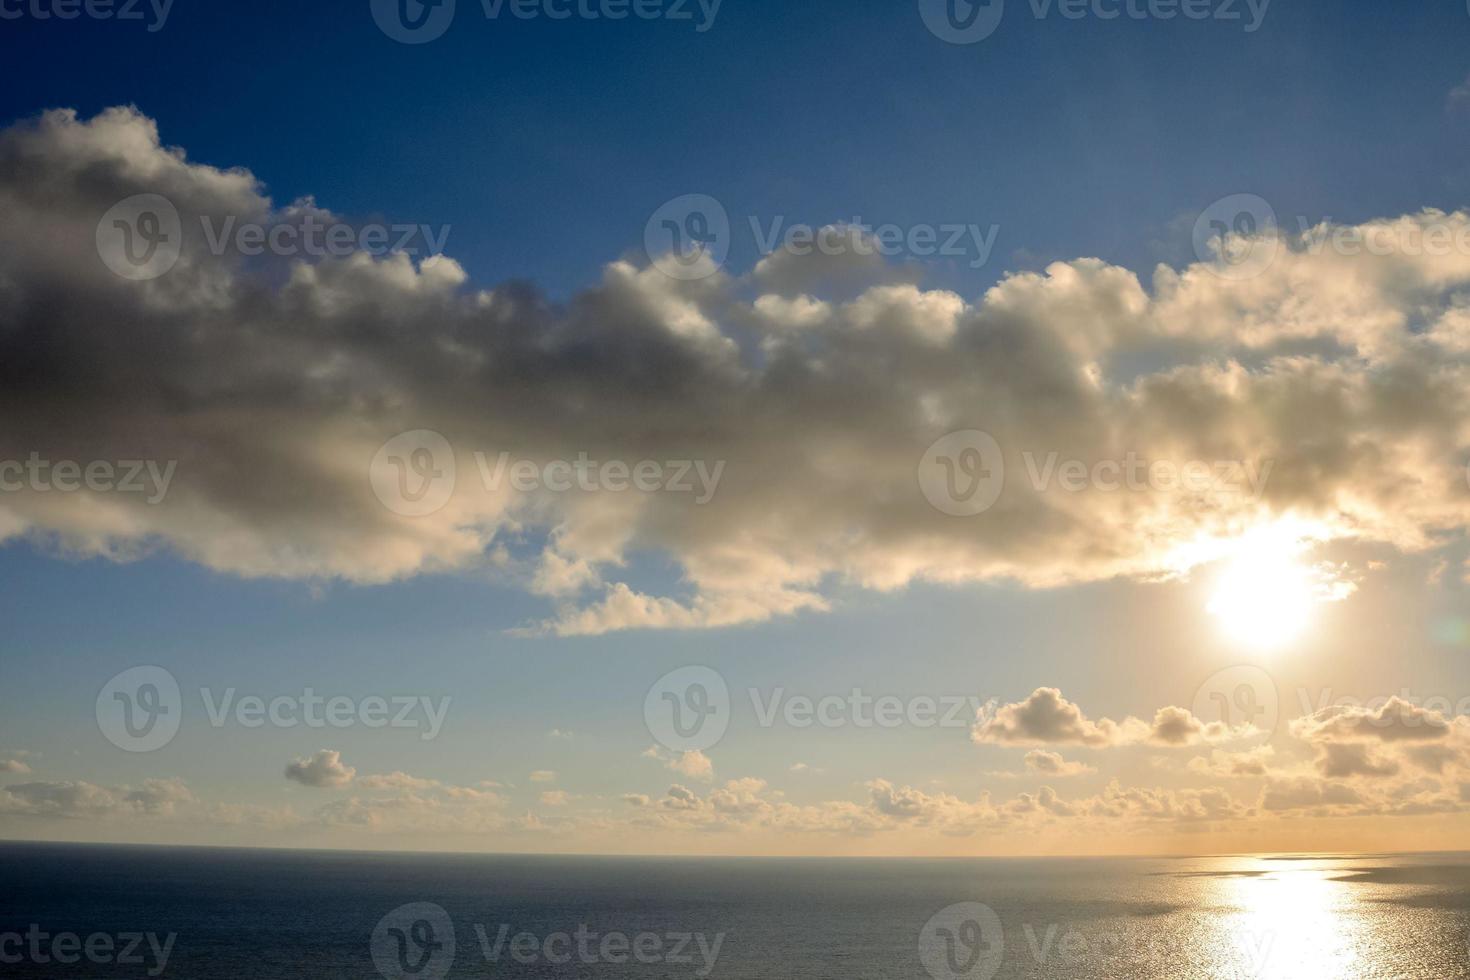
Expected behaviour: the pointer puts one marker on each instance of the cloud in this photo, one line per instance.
(1052, 764)
(1340, 760)
(1046, 717)
(397, 781)
(78, 799)
(543, 776)
(1234, 765)
(555, 797)
(14, 767)
(692, 763)
(1459, 97)
(1396, 720)
(1306, 793)
(324, 770)
(273, 382)
(412, 805)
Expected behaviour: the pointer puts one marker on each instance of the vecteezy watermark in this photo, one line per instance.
(963, 474)
(968, 942)
(141, 709)
(1240, 237)
(312, 236)
(1237, 236)
(418, 940)
(1239, 696)
(972, 21)
(962, 942)
(689, 237)
(588, 947)
(153, 12)
(1136, 473)
(415, 940)
(142, 237)
(415, 473)
(690, 709)
(860, 709)
(38, 947)
(36, 474)
(422, 21)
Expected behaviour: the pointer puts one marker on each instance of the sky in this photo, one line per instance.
(949, 475)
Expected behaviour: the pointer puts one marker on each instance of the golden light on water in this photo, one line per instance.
(1300, 922)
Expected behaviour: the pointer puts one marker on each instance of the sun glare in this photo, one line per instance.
(1266, 597)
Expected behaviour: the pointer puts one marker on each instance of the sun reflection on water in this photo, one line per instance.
(1297, 922)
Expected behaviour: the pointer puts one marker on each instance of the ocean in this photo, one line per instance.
(114, 911)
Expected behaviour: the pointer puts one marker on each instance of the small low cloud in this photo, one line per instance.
(324, 770)
(1052, 764)
(1046, 717)
(1459, 98)
(543, 776)
(1232, 765)
(694, 764)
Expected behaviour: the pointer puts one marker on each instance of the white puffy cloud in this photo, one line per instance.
(324, 770)
(1046, 717)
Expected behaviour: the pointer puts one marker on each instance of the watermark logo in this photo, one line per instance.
(422, 21)
(140, 238)
(970, 21)
(963, 473)
(414, 940)
(140, 709)
(36, 946)
(1239, 696)
(557, 949)
(38, 474)
(1237, 237)
(413, 21)
(962, 942)
(689, 237)
(413, 474)
(131, 10)
(688, 710)
(962, 21)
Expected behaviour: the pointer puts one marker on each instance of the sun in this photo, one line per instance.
(1266, 597)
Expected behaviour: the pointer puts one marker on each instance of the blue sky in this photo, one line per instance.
(545, 146)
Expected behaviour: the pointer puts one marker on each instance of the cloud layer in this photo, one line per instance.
(272, 382)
